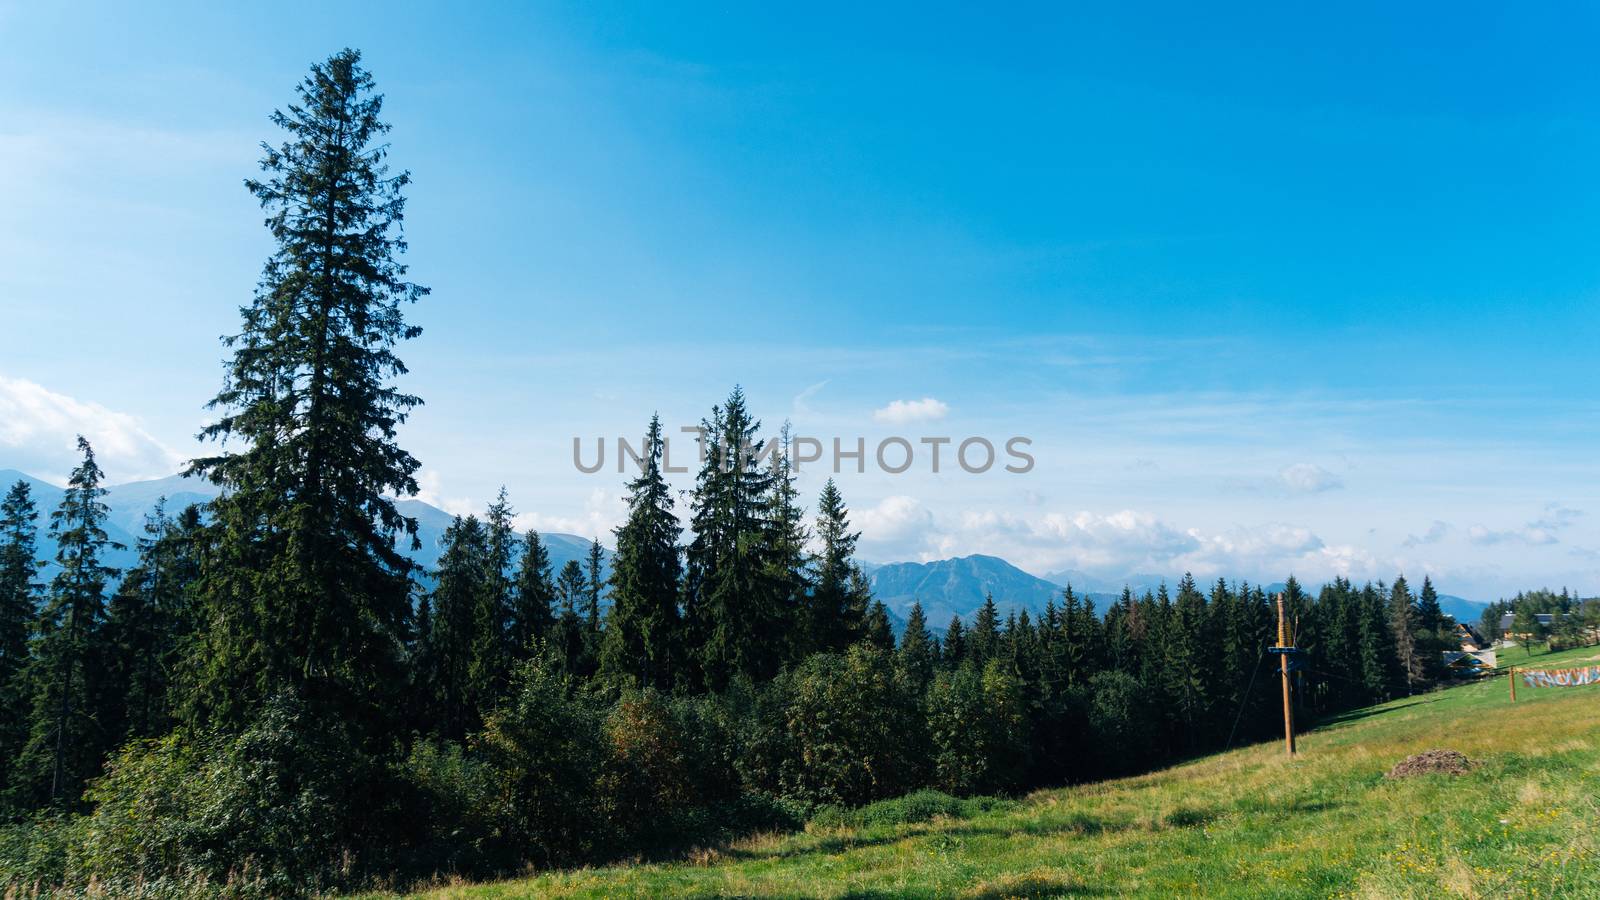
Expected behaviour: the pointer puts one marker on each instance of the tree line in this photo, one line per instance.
(275, 698)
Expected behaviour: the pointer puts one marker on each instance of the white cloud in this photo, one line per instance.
(1541, 531)
(39, 429)
(602, 512)
(1309, 478)
(430, 490)
(1433, 535)
(895, 522)
(905, 412)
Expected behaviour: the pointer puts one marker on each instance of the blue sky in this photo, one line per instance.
(1275, 290)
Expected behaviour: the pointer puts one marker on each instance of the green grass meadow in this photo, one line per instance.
(1249, 823)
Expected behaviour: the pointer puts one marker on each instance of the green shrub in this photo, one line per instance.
(456, 813)
(286, 808)
(546, 748)
(33, 854)
(979, 729)
(922, 806)
(852, 730)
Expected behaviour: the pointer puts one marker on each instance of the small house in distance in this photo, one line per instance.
(1471, 638)
(1469, 663)
(1546, 621)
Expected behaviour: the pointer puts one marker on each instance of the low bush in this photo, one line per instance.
(922, 806)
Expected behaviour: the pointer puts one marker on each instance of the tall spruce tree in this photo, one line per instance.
(533, 599)
(918, 654)
(594, 564)
(877, 631)
(139, 631)
(19, 605)
(491, 647)
(642, 628)
(570, 635)
(837, 607)
(1403, 623)
(461, 687)
(953, 650)
(66, 743)
(983, 644)
(735, 614)
(309, 594)
(788, 570)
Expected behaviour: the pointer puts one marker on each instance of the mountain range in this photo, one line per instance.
(945, 588)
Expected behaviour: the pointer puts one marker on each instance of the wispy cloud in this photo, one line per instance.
(1309, 478)
(905, 412)
(1542, 530)
(1435, 533)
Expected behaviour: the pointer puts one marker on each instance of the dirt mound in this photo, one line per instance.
(1432, 762)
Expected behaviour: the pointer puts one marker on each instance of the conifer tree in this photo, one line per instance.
(953, 651)
(1403, 623)
(460, 684)
(591, 601)
(490, 666)
(838, 606)
(569, 636)
(984, 642)
(533, 599)
(735, 615)
(1380, 675)
(1184, 648)
(19, 605)
(308, 593)
(787, 561)
(139, 630)
(1430, 615)
(642, 629)
(65, 744)
(917, 654)
(1076, 639)
(877, 631)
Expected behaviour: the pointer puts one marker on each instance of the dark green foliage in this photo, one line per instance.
(876, 629)
(853, 729)
(643, 627)
(457, 682)
(569, 636)
(921, 806)
(490, 667)
(838, 601)
(19, 602)
(545, 747)
(953, 651)
(736, 614)
(65, 674)
(918, 653)
(286, 807)
(984, 642)
(307, 591)
(977, 726)
(788, 565)
(533, 599)
(1123, 727)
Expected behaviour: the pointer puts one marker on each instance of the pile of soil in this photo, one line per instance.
(1432, 762)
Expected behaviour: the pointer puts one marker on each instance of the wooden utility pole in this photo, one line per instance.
(1284, 651)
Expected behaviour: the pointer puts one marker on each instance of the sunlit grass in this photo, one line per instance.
(1249, 823)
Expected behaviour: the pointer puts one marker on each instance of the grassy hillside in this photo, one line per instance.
(1249, 823)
